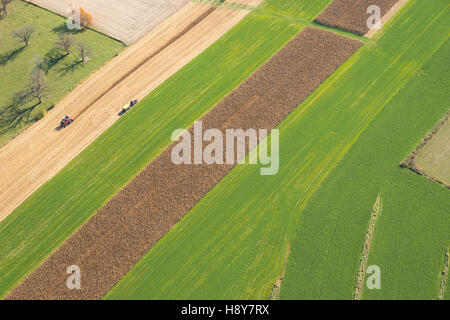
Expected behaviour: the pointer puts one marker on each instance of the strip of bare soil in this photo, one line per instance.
(351, 15)
(123, 230)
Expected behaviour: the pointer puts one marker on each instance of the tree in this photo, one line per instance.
(85, 18)
(84, 50)
(24, 34)
(38, 62)
(65, 42)
(4, 7)
(37, 85)
(17, 112)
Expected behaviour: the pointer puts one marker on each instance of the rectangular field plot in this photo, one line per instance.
(351, 15)
(126, 20)
(433, 159)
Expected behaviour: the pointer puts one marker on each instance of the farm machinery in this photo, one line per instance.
(66, 121)
(128, 106)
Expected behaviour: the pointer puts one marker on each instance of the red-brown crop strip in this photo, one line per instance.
(125, 228)
(351, 15)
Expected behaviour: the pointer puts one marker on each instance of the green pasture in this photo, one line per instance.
(411, 234)
(16, 61)
(234, 243)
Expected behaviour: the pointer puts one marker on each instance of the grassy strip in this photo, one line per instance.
(376, 210)
(413, 230)
(232, 244)
(63, 204)
(16, 62)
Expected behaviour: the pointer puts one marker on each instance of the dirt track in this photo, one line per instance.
(387, 17)
(126, 20)
(41, 151)
(117, 236)
(351, 15)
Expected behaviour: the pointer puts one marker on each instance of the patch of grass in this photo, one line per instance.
(304, 9)
(232, 244)
(62, 205)
(434, 157)
(63, 74)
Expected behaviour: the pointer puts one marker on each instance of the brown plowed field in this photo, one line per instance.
(41, 151)
(122, 231)
(351, 15)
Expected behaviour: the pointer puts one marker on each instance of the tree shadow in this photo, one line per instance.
(69, 66)
(62, 28)
(14, 114)
(52, 58)
(11, 55)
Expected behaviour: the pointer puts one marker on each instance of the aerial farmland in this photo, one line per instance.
(238, 150)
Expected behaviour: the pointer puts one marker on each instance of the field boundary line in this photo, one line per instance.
(444, 275)
(29, 2)
(376, 210)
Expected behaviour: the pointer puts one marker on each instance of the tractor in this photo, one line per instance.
(66, 121)
(128, 106)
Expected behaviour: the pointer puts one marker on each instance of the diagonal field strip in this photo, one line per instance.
(385, 18)
(232, 244)
(53, 213)
(110, 243)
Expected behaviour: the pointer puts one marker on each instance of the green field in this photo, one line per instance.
(16, 62)
(233, 244)
(62, 205)
(412, 231)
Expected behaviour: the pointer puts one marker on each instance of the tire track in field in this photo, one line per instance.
(122, 231)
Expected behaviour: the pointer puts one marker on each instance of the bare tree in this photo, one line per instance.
(83, 50)
(4, 7)
(37, 86)
(24, 34)
(18, 111)
(38, 62)
(65, 42)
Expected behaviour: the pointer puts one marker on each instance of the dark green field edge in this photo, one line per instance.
(46, 219)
